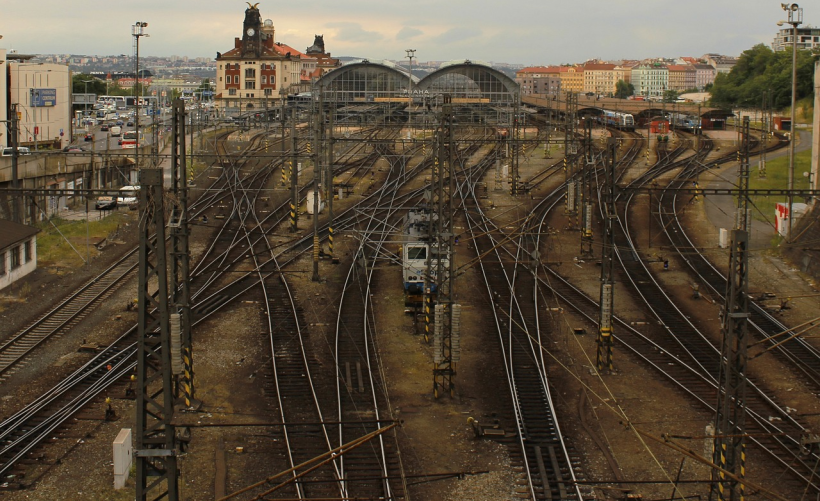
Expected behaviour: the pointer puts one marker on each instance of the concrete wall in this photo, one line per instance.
(63, 170)
(24, 269)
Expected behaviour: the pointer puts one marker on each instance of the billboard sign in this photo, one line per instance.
(41, 98)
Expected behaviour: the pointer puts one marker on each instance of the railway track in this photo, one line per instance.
(678, 335)
(24, 430)
(802, 357)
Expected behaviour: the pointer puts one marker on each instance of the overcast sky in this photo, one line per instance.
(532, 32)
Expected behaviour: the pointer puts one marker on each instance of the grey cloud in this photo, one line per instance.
(457, 34)
(407, 33)
(353, 32)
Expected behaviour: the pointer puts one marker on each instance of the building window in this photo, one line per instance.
(2, 263)
(268, 92)
(220, 79)
(250, 84)
(264, 79)
(27, 251)
(250, 73)
(220, 66)
(15, 257)
(231, 92)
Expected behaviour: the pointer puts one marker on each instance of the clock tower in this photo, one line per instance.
(252, 32)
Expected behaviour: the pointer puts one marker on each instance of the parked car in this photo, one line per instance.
(21, 150)
(104, 128)
(120, 123)
(130, 124)
(106, 203)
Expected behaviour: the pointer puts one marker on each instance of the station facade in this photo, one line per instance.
(259, 70)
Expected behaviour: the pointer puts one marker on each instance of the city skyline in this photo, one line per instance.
(547, 33)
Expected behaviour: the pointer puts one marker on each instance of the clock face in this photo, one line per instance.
(250, 32)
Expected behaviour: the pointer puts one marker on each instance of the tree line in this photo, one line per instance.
(764, 77)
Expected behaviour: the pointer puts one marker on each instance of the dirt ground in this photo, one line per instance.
(231, 359)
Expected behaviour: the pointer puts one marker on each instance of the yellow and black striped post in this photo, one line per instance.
(427, 317)
(742, 471)
(293, 215)
(187, 385)
(285, 169)
(721, 473)
(330, 237)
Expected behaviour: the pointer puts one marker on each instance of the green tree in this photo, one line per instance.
(760, 70)
(623, 89)
(670, 96)
(82, 82)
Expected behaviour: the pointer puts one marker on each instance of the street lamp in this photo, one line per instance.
(411, 53)
(85, 96)
(137, 31)
(795, 19)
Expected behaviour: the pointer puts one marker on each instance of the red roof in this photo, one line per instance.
(540, 69)
(599, 67)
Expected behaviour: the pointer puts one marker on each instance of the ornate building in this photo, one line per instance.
(258, 70)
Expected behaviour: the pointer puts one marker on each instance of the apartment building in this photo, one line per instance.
(542, 80)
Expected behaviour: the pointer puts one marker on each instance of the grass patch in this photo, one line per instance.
(53, 248)
(777, 177)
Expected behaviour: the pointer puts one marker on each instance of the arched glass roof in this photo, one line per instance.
(471, 82)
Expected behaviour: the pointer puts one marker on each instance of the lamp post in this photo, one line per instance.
(85, 98)
(137, 31)
(411, 53)
(795, 19)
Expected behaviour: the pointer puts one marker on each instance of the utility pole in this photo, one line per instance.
(329, 181)
(605, 340)
(317, 156)
(515, 140)
(570, 154)
(447, 327)
(15, 154)
(730, 418)
(137, 31)
(180, 266)
(294, 176)
(156, 441)
(586, 192)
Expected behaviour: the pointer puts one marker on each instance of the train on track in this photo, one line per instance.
(417, 254)
(686, 122)
(623, 121)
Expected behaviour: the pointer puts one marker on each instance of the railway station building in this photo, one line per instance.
(259, 71)
(18, 251)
